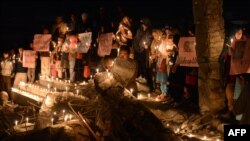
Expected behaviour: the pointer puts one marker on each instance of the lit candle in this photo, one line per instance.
(54, 113)
(77, 91)
(16, 122)
(139, 96)
(63, 112)
(167, 124)
(177, 130)
(118, 51)
(231, 40)
(27, 120)
(149, 95)
(91, 76)
(52, 120)
(131, 91)
(205, 137)
(97, 70)
(66, 118)
(144, 43)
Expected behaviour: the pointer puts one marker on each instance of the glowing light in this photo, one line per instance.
(204, 137)
(66, 118)
(54, 113)
(149, 95)
(77, 91)
(131, 91)
(97, 70)
(231, 40)
(167, 124)
(63, 112)
(16, 121)
(27, 120)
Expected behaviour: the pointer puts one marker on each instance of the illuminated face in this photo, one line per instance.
(123, 54)
(5, 55)
(20, 50)
(238, 34)
(84, 17)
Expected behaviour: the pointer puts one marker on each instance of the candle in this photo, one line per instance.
(177, 130)
(205, 137)
(66, 118)
(54, 113)
(27, 120)
(52, 120)
(91, 76)
(231, 40)
(16, 122)
(131, 91)
(190, 135)
(144, 43)
(63, 112)
(167, 124)
(139, 96)
(149, 95)
(77, 91)
(118, 51)
(97, 70)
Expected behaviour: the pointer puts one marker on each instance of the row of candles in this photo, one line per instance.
(177, 130)
(66, 117)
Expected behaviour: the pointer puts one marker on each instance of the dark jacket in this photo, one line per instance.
(18, 65)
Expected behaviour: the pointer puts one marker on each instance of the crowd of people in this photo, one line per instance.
(154, 50)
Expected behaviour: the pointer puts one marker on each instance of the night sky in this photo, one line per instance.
(20, 20)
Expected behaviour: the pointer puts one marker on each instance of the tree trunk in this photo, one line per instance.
(209, 31)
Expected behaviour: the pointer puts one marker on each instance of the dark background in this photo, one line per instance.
(20, 20)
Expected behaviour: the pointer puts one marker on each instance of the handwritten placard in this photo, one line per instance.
(85, 42)
(187, 52)
(105, 44)
(29, 59)
(41, 42)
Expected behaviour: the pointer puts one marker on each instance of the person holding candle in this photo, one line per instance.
(141, 43)
(6, 73)
(21, 72)
(231, 79)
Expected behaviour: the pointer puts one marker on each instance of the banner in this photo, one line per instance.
(105, 44)
(187, 52)
(29, 59)
(240, 60)
(85, 42)
(41, 42)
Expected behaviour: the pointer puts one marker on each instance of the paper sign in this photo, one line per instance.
(187, 52)
(29, 59)
(105, 44)
(85, 42)
(41, 42)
